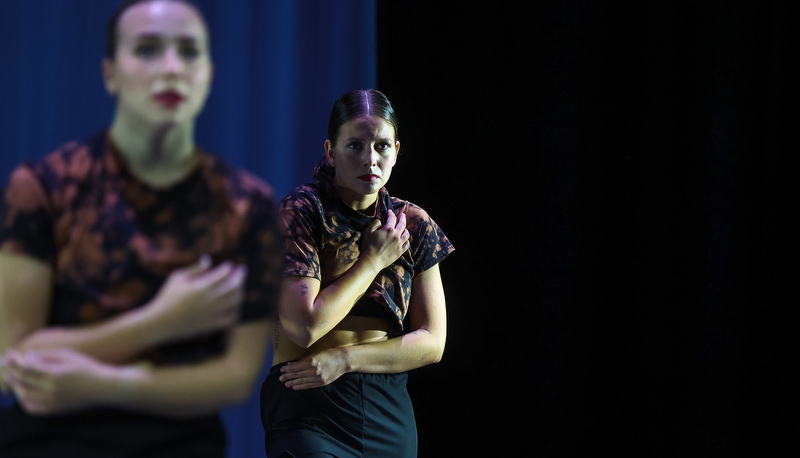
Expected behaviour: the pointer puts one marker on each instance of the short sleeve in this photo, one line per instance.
(26, 221)
(299, 220)
(430, 245)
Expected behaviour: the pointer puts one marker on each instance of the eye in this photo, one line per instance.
(189, 51)
(383, 146)
(355, 145)
(146, 50)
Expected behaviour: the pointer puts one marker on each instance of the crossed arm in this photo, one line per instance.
(55, 370)
(307, 313)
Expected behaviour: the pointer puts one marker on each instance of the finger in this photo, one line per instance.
(295, 367)
(401, 222)
(373, 226)
(391, 219)
(218, 274)
(203, 264)
(20, 384)
(305, 386)
(235, 279)
(17, 361)
(231, 290)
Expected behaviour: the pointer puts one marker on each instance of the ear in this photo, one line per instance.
(396, 152)
(109, 70)
(329, 153)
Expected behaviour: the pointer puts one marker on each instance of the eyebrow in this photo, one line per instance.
(157, 36)
(361, 139)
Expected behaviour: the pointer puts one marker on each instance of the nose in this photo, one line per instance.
(371, 157)
(172, 62)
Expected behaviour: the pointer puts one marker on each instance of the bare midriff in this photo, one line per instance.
(352, 330)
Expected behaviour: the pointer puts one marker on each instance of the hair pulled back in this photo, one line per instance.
(112, 39)
(351, 105)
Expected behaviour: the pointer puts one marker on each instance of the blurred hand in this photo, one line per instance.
(199, 299)
(4, 386)
(382, 244)
(52, 382)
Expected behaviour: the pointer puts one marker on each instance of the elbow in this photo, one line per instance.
(437, 354)
(437, 350)
(304, 338)
(301, 337)
(300, 333)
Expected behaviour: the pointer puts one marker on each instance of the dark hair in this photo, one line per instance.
(113, 23)
(353, 104)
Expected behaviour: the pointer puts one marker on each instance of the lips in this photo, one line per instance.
(169, 99)
(368, 178)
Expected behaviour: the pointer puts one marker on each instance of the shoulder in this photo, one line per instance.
(301, 197)
(425, 230)
(71, 162)
(414, 213)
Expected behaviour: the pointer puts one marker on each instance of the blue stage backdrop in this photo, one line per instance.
(279, 66)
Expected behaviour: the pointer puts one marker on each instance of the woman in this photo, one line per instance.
(362, 300)
(138, 274)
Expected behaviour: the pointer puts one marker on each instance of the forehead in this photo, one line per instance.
(159, 17)
(367, 126)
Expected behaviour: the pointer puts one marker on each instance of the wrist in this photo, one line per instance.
(346, 358)
(152, 327)
(123, 383)
(370, 265)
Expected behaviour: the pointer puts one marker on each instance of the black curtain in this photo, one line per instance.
(616, 179)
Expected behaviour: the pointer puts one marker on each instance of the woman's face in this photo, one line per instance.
(162, 69)
(363, 157)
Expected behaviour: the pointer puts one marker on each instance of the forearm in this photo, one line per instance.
(116, 341)
(422, 346)
(410, 351)
(308, 315)
(178, 391)
(192, 390)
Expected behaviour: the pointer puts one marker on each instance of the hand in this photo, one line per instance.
(198, 299)
(314, 371)
(5, 388)
(384, 243)
(53, 382)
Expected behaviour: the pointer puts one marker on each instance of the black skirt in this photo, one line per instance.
(358, 415)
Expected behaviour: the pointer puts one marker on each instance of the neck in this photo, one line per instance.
(159, 156)
(360, 203)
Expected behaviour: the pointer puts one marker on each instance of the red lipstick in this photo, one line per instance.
(169, 99)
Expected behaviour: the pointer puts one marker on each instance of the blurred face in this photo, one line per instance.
(363, 157)
(161, 72)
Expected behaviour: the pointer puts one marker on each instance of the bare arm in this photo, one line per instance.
(307, 314)
(62, 381)
(23, 281)
(422, 346)
(193, 300)
(24, 298)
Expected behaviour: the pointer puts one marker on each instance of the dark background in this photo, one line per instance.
(616, 179)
